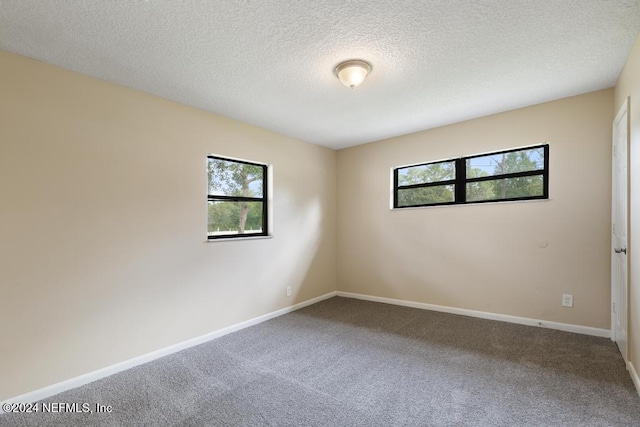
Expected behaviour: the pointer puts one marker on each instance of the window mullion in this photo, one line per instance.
(235, 198)
(427, 184)
(461, 178)
(507, 176)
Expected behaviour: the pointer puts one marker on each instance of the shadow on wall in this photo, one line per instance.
(297, 249)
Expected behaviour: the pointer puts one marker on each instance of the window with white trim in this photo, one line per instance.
(510, 175)
(237, 204)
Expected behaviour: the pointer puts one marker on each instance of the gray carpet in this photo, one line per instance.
(345, 362)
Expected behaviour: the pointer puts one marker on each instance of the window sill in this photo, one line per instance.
(508, 202)
(233, 239)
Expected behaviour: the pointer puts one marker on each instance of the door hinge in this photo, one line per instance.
(613, 307)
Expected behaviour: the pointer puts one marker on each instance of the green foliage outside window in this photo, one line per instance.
(236, 197)
(443, 175)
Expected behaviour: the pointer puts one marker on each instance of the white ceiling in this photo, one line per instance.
(270, 63)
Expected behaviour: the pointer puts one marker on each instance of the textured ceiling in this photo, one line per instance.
(270, 63)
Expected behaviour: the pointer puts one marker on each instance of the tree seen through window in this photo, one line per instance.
(237, 198)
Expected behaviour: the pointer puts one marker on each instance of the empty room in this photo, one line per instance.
(327, 213)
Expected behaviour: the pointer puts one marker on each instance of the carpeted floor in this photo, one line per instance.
(345, 362)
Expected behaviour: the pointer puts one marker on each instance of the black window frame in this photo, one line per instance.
(264, 200)
(460, 181)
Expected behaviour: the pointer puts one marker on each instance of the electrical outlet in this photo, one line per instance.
(567, 300)
(288, 291)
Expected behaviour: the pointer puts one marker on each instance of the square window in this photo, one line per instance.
(237, 198)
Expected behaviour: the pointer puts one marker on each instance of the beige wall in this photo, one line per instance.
(103, 224)
(103, 221)
(488, 257)
(629, 85)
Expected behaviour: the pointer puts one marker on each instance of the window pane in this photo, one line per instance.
(229, 178)
(227, 217)
(502, 163)
(509, 188)
(424, 174)
(426, 195)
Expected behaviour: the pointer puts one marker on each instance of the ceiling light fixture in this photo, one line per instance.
(353, 72)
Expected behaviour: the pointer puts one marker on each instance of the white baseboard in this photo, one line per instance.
(585, 330)
(634, 376)
(69, 384)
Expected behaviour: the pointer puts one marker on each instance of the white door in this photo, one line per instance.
(619, 231)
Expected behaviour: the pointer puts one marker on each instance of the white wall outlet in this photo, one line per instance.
(567, 300)
(288, 291)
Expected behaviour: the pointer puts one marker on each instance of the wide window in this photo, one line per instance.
(237, 198)
(518, 174)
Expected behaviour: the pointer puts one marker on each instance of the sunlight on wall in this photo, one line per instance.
(110, 260)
